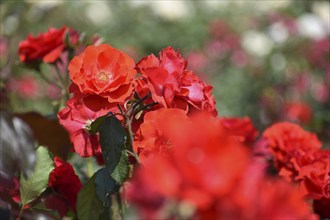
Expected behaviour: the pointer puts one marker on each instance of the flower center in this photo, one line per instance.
(103, 77)
(88, 125)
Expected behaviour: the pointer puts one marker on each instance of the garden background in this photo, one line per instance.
(266, 60)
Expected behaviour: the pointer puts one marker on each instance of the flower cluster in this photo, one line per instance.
(209, 174)
(176, 158)
(299, 157)
(104, 79)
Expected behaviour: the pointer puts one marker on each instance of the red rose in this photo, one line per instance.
(210, 174)
(315, 182)
(103, 71)
(154, 133)
(203, 163)
(297, 112)
(291, 146)
(171, 85)
(46, 47)
(76, 118)
(195, 92)
(241, 128)
(65, 183)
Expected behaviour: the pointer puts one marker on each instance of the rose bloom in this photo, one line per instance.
(291, 146)
(297, 111)
(66, 184)
(199, 167)
(209, 174)
(240, 127)
(153, 134)
(315, 182)
(77, 118)
(171, 85)
(103, 71)
(266, 199)
(46, 47)
(25, 87)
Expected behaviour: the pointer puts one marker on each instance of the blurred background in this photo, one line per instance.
(268, 60)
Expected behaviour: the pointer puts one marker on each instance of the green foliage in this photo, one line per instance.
(104, 185)
(37, 182)
(41, 208)
(88, 205)
(95, 126)
(112, 140)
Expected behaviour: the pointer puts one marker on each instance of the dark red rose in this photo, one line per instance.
(65, 182)
(46, 47)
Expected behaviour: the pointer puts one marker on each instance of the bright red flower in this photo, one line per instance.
(46, 47)
(163, 74)
(65, 183)
(103, 71)
(195, 92)
(259, 198)
(171, 85)
(204, 163)
(76, 118)
(297, 112)
(209, 172)
(318, 53)
(154, 133)
(291, 146)
(241, 128)
(25, 87)
(315, 182)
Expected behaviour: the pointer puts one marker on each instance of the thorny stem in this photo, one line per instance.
(128, 125)
(145, 107)
(141, 100)
(120, 205)
(20, 213)
(129, 117)
(134, 155)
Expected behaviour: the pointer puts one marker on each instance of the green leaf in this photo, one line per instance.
(37, 182)
(122, 169)
(88, 205)
(112, 140)
(95, 126)
(104, 184)
(40, 208)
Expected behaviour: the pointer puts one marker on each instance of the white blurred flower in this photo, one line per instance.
(45, 4)
(138, 3)
(98, 12)
(322, 9)
(311, 26)
(214, 4)
(170, 9)
(266, 6)
(278, 32)
(257, 43)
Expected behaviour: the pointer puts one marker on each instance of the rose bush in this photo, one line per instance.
(160, 147)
